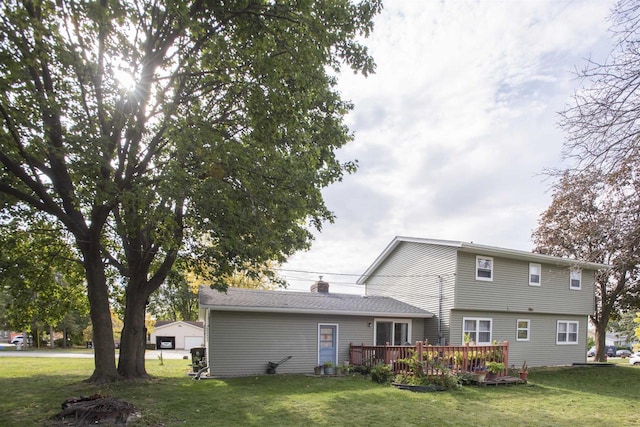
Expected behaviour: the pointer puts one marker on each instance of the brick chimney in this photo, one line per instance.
(320, 287)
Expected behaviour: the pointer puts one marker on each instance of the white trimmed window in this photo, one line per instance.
(535, 274)
(575, 279)
(522, 329)
(392, 331)
(484, 268)
(567, 332)
(479, 330)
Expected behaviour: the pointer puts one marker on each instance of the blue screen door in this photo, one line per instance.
(327, 344)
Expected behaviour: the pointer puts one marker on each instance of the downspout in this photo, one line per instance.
(440, 280)
(207, 346)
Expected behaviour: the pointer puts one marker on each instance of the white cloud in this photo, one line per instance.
(455, 127)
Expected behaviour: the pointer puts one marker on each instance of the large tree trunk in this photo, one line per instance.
(132, 343)
(601, 343)
(103, 344)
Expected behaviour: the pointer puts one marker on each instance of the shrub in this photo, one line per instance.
(381, 374)
(360, 369)
(495, 367)
(466, 378)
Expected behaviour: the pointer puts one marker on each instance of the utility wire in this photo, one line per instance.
(324, 273)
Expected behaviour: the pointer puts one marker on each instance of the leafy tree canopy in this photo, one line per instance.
(40, 276)
(154, 128)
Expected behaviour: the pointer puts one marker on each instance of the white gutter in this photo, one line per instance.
(316, 311)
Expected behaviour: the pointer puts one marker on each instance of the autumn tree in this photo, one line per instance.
(603, 134)
(594, 217)
(147, 129)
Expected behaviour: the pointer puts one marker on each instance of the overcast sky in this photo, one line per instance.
(454, 130)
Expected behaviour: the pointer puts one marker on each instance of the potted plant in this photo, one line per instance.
(493, 369)
(467, 339)
(329, 368)
(524, 371)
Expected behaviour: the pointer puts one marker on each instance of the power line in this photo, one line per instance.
(324, 273)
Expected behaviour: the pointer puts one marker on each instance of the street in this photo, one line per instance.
(149, 354)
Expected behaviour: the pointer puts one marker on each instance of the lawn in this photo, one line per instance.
(31, 390)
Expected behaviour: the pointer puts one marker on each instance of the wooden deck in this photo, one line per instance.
(435, 359)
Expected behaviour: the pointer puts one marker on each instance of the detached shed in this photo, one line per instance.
(177, 335)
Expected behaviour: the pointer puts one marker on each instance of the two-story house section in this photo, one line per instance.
(539, 303)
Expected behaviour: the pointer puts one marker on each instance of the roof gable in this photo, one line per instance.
(167, 323)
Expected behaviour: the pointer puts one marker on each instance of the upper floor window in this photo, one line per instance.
(484, 268)
(575, 281)
(478, 330)
(567, 332)
(535, 274)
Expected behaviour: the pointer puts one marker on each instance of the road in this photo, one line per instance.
(149, 354)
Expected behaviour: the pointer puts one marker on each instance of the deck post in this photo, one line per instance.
(387, 359)
(505, 356)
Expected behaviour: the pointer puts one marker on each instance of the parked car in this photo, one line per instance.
(18, 339)
(623, 353)
(635, 359)
(610, 351)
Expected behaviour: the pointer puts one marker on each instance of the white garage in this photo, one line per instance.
(177, 335)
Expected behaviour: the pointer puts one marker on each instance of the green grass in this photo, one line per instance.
(31, 390)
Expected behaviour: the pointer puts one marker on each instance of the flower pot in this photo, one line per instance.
(317, 370)
(480, 376)
(329, 370)
(523, 375)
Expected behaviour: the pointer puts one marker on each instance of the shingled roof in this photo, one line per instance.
(254, 300)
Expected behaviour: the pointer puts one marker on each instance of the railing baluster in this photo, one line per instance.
(463, 358)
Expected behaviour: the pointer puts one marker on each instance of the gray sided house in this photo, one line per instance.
(539, 303)
(246, 328)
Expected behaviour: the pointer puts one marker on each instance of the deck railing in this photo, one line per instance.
(457, 358)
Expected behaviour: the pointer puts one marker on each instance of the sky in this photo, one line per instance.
(455, 129)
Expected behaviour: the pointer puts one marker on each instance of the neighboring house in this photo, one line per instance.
(538, 303)
(246, 328)
(613, 338)
(183, 335)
